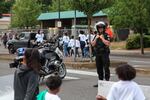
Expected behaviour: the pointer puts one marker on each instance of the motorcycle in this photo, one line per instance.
(51, 60)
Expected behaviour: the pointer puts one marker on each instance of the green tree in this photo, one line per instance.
(64, 5)
(90, 7)
(5, 6)
(45, 4)
(25, 13)
(131, 14)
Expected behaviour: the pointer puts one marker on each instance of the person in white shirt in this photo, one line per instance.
(92, 34)
(53, 84)
(82, 39)
(39, 37)
(126, 88)
(65, 44)
(71, 46)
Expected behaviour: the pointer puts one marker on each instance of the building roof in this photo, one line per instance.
(66, 15)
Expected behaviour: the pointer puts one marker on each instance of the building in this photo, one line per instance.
(5, 21)
(67, 19)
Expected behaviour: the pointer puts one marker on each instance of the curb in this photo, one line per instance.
(6, 57)
(90, 65)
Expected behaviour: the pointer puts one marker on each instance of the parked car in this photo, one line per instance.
(24, 39)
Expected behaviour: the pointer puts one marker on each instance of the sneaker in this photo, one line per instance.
(95, 85)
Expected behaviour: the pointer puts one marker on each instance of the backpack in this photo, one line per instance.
(109, 32)
(41, 95)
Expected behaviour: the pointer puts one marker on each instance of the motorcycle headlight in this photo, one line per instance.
(56, 63)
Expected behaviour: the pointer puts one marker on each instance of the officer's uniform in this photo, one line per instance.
(102, 58)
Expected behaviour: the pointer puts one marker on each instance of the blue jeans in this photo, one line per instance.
(82, 45)
(86, 51)
(65, 46)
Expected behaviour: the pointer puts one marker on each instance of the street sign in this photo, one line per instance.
(59, 24)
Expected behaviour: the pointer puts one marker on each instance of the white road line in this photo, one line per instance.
(83, 72)
(66, 78)
(71, 78)
(136, 61)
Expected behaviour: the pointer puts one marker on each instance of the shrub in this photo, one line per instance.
(133, 41)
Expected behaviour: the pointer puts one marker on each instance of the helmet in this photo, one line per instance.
(100, 24)
(20, 51)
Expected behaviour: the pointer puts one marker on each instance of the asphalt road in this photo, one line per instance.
(135, 61)
(78, 84)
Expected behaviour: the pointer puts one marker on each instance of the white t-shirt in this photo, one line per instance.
(39, 37)
(125, 90)
(49, 96)
(71, 43)
(77, 43)
(66, 39)
(82, 37)
(92, 37)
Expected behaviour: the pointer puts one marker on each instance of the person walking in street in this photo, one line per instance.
(77, 45)
(82, 39)
(26, 76)
(71, 46)
(39, 36)
(101, 45)
(53, 84)
(65, 44)
(90, 38)
(125, 88)
(5, 39)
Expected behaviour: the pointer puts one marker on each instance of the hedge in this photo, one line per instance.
(133, 41)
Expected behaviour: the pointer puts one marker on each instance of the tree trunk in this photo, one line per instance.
(141, 42)
(89, 28)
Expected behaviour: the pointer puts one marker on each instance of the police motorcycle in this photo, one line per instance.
(51, 60)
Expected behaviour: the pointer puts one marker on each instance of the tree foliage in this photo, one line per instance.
(64, 5)
(129, 14)
(133, 14)
(5, 6)
(25, 13)
(45, 4)
(90, 7)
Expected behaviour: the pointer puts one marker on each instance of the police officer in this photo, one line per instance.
(101, 44)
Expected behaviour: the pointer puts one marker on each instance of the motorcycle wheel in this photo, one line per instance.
(62, 71)
(11, 49)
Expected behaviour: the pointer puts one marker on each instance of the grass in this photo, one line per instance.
(118, 45)
(122, 46)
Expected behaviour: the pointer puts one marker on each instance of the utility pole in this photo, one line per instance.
(75, 35)
(59, 10)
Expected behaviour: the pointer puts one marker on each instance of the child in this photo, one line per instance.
(126, 88)
(53, 83)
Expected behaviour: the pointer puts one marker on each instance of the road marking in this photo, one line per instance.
(83, 72)
(66, 77)
(136, 61)
(71, 78)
